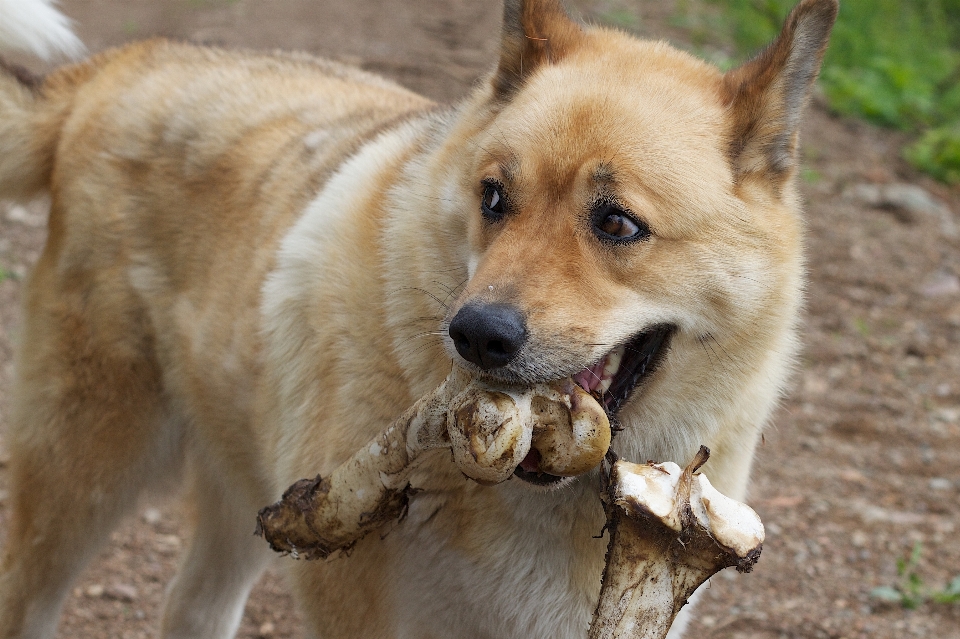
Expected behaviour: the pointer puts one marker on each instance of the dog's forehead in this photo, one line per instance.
(643, 112)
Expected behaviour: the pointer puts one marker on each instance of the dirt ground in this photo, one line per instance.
(859, 464)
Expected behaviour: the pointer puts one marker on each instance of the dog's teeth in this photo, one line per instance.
(613, 362)
(605, 384)
(610, 367)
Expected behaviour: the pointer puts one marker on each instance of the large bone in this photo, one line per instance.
(670, 531)
(490, 431)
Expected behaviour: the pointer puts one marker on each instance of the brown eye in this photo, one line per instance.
(492, 205)
(614, 224)
(618, 226)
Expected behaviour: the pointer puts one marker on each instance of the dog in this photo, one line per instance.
(257, 261)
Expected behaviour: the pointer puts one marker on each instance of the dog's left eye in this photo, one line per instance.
(612, 223)
(492, 205)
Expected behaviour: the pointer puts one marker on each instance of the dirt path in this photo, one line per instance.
(860, 463)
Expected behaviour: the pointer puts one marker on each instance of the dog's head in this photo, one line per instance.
(631, 215)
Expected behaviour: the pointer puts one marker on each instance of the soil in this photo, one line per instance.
(859, 465)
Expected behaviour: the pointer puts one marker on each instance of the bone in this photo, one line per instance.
(670, 531)
(490, 430)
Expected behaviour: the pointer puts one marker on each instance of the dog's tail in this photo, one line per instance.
(30, 117)
(36, 27)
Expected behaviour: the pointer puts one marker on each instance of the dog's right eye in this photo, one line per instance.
(492, 205)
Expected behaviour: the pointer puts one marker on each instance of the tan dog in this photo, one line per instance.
(255, 262)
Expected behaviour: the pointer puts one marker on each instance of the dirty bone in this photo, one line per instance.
(670, 531)
(489, 430)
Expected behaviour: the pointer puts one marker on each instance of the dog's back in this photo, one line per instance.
(142, 313)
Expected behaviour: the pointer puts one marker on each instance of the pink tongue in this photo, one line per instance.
(531, 463)
(590, 378)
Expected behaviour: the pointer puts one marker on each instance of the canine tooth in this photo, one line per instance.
(605, 383)
(613, 362)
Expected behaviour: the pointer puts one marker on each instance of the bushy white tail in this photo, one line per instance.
(37, 27)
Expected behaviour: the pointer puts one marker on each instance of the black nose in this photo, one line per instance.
(489, 335)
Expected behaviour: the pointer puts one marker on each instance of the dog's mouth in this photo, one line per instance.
(612, 381)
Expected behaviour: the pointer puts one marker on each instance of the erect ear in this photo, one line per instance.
(767, 95)
(535, 32)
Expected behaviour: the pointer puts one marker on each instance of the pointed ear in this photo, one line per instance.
(535, 32)
(767, 95)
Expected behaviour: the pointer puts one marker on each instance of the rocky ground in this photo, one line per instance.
(859, 466)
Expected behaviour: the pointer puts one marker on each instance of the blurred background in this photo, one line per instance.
(858, 478)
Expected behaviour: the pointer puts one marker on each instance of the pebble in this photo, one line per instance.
(23, 215)
(940, 284)
(907, 201)
(152, 516)
(859, 539)
(169, 540)
(94, 591)
(121, 592)
(168, 544)
(940, 483)
(267, 629)
(871, 514)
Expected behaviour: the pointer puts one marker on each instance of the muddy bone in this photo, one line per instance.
(670, 531)
(490, 431)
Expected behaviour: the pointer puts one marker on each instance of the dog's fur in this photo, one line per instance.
(253, 260)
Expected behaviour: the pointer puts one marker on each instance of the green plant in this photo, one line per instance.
(862, 327)
(911, 592)
(938, 153)
(893, 62)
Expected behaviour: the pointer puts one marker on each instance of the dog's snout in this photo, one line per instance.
(489, 335)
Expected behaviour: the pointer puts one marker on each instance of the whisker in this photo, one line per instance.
(419, 335)
(427, 293)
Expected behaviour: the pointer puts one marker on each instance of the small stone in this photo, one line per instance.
(859, 539)
(152, 516)
(267, 629)
(869, 194)
(940, 483)
(25, 216)
(940, 284)
(121, 592)
(908, 202)
(849, 474)
(948, 415)
(870, 514)
(169, 540)
(167, 544)
(94, 591)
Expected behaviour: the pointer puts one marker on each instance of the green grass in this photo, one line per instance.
(910, 591)
(862, 327)
(811, 176)
(895, 63)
